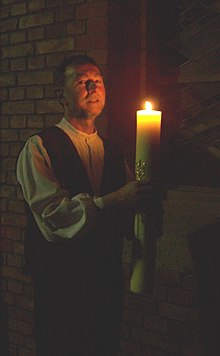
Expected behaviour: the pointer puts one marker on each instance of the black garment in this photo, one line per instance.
(79, 282)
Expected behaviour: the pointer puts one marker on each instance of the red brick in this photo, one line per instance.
(18, 9)
(155, 323)
(7, 79)
(14, 260)
(100, 25)
(8, 25)
(34, 92)
(8, 297)
(18, 121)
(194, 350)
(132, 317)
(76, 27)
(18, 248)
(9, 135)
(184, 331)
(13, 219)
(52, 119)
(7, 191)
(36, 33)
(4, 262)
(36, 62)
(53, 60)
(3, 181)
(4, 66)
(4, 39)
(15, 206)
(24, 303)
(71, 2)
(15, 286)
(6, 245)
(34, 5)
(4, 94)
(190, 282)
(129, 348)
(87, 10)
(24, 328)
(28, 290)
(18, 50)
(88, 41)
(165, 342)
(49, 92)
(180, 313)
(13, 350)
(10, 232)
(35, 77)
(54, 3)
(56, 30)
(5, 124)
(169, 278)
(16, 338)
(43, 18)
(18, 64)
(15, 148)
(25, 352)
(67, 13)
(55, 45)
(47, 106)
(25, 134)
(29, 343)
(18, 107)
(4, 149)
(138, 303)
(16, 93)
(5, 10)
(180, 296)
(161, 292)
(20, 314)
(17, 37)
(35, 121)
(11, 178)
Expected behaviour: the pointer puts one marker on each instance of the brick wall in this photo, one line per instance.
(36, 36)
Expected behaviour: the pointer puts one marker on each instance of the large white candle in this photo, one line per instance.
(147, 167)
(148, 141)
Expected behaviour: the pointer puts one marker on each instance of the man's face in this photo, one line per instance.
(84, 91)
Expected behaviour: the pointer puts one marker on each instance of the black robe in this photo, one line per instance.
(78, 283)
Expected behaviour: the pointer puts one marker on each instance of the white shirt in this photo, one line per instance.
(58, 215)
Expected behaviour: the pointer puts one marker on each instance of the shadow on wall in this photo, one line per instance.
(4, 351)
(205, 249)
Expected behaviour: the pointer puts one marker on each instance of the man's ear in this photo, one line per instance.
(59, 93)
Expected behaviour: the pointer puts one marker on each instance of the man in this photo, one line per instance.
(77, 195)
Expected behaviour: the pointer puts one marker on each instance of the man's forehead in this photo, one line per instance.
(82, 70)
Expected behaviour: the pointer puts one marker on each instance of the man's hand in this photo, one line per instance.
(134, 195)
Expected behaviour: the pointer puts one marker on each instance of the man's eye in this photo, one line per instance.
(81, 82)
(99, 81)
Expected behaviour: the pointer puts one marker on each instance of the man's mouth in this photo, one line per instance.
(93, 101)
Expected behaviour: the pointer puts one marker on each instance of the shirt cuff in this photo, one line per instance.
(99, 202)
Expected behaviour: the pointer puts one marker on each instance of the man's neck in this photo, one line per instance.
(84, 125)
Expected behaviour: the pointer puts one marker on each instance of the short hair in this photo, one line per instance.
(75, 60)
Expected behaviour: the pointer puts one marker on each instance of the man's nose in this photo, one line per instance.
(90, 85)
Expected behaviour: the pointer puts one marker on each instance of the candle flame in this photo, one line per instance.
(148, 105)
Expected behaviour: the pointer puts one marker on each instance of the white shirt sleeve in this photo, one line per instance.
(58, 216)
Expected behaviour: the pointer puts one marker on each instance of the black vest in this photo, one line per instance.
(99, 251)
